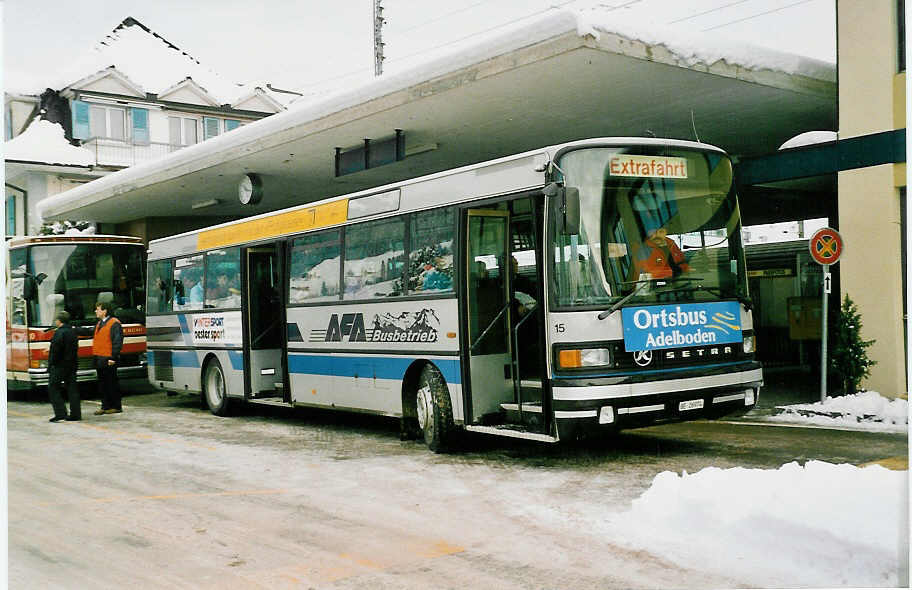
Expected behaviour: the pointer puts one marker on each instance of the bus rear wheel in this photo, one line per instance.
(214, 388)
(435, 412)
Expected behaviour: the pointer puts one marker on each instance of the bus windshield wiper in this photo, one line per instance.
(639, 287)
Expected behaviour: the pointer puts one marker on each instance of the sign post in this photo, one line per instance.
(826, 247)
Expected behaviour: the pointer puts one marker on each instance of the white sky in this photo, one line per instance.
(298, 44)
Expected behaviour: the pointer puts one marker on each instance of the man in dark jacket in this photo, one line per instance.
(62, 358)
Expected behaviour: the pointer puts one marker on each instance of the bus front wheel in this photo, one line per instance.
(214, 388)
(435, 412)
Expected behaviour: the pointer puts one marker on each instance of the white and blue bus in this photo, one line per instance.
(580, 288)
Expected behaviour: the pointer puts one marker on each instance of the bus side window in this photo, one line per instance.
(160, 286)
(315, 268)
(374, 259)
(431, 251)
(189, 273)
(223, 278)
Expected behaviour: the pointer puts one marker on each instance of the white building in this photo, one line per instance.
(134, 98)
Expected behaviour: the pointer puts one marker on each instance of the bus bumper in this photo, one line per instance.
(39, 377)
(592, 406)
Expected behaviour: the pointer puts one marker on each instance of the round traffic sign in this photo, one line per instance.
(826, 246)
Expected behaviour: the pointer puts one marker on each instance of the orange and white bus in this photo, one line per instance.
(47, 274)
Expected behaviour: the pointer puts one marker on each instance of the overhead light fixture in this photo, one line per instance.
(204, 204)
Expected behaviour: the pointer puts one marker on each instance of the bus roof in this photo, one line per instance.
(20, 241)
(541, 155)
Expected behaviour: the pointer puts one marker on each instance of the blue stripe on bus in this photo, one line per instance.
(185, 358)
(185, 329)
(237, 359)
(382, 367)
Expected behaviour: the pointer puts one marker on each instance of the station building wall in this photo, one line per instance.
(871, 100)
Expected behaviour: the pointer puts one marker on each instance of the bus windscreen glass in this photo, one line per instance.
(659, 227)
(73, 277)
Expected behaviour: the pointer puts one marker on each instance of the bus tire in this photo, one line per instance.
(214, 389)
(435, 412)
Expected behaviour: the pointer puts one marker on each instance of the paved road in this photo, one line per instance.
(166, 495)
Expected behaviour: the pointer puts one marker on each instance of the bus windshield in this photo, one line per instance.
(657, 225)
(73, 277)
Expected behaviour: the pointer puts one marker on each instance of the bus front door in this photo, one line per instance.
(264, 324)
(489, 355)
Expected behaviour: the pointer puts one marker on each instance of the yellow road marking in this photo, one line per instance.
(899, 463)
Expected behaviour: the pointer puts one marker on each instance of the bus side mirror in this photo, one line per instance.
(568, 204)
(29, 288)
(570, 207)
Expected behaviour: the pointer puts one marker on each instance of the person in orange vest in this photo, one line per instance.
(660, 257)
(106, 347)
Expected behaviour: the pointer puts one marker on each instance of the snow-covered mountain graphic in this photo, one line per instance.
(423, 321)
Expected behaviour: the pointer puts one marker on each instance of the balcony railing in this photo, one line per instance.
(118, 152)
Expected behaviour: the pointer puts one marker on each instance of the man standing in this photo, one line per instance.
(106, 348)
(62, 358)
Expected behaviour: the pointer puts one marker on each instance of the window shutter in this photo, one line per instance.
(11, 215)
(80, 120)
(140, 125)
(210, 127)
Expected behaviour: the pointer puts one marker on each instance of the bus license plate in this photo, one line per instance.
(694, 404)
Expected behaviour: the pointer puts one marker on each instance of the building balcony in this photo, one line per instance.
(119, 152)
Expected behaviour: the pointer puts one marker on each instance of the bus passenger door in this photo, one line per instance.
(487, 289)
(264, 323)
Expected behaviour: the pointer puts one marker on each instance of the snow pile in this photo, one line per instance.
(147, 60)
(810, 138)
(44, 142)
(696, 48)
(152, 63)
(820, 524)
(689, 48)
(867, 411)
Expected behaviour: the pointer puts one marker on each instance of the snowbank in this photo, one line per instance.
(819, 525)
(695, 48)
(810, 138)
(866, 411)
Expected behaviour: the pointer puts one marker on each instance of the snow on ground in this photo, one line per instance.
(863, 411)
(819, 524)
(811, 525)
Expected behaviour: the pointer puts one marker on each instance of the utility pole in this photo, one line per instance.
(378, 37)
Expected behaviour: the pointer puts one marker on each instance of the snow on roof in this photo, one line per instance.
(345, 92)
(691, 49)
(810, 138)
(148, 60)
(695, 48)
(44, 142)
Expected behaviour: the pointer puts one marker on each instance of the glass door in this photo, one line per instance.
(489, 354)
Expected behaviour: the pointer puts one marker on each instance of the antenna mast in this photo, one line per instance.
(378, 38)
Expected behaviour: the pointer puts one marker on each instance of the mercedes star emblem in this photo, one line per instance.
(642, 357)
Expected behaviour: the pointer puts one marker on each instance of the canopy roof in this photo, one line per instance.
(557, 78)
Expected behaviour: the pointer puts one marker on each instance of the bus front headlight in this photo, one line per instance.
(576, 358)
